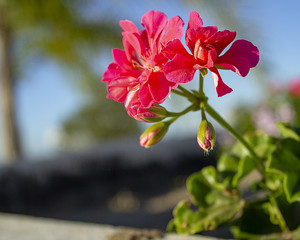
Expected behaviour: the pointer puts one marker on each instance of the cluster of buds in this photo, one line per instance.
(205, 138)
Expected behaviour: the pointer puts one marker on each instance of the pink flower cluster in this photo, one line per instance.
(154, 61)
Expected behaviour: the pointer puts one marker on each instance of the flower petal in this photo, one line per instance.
(132, 99)
(173, 85)
(135, 41)
(175, 47)
(242, 48)
(145, 96)
(195, 20)
(211, 57)
(221, 88)
(173, 30)
(120, 58)
(159, 86)
(111, 72)
(130, 51)
(239, 65)
(181, 69)
(118, 89)
(220, 40)
(154, 23)
(200, 33)
(128, 26)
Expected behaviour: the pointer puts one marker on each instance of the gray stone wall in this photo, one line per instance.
(17, 227)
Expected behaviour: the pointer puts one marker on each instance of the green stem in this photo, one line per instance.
(201, 85)
(178, 92)
(223, 123)
(203, 116)
(177, 115)
(202, 96)
(282, 224)
(187, 93)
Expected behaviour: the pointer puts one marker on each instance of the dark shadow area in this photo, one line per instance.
(119, 183)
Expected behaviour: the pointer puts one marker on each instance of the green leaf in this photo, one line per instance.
(216, 203)
(200, 184)
(287, 161)
(246, 165)
(228, 163)
(191, 222)
(239, 234)
(275, 215)
(274, 236)
(254, 222)
(263, 145)
(286, 131)
(274, 179)
(171, 227)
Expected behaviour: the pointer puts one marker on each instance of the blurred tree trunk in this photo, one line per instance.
(12, 148)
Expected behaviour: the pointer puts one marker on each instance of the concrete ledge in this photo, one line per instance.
(18, 227)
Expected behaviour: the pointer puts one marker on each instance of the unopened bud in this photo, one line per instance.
(153, 134)
(156, 113)
(206, 135)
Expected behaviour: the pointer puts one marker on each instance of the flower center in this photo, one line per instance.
(200, 53)
(206, 54)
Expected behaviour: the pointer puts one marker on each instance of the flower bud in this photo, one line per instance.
(153, 134)
(206, 135)
(156, 113)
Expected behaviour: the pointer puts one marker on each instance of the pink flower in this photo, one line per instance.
(136, 75)
(294, 88)
(206, 44)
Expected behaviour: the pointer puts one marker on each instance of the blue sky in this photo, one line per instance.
(45, 97)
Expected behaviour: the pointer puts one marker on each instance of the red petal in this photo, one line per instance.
(221, 88)
(181, 69)
(238, 65)
(173, 30)
(211, 57)
(175, 47)
(154, 23)
(145, 96)
(159, 86)
(220, 40)
(128, 26)
(135, 41)
(118, 89)
(200, 33)
(195, 20)
(120, 58)
(111, 72)
(244, 49)
(132, 99)
(130, 51)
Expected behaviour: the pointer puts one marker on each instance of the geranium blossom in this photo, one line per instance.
(206, 44)
(136, 75)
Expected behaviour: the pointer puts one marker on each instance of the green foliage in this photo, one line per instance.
(285, 160)
(259, 207)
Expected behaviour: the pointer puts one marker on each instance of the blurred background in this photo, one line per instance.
(68, 152)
